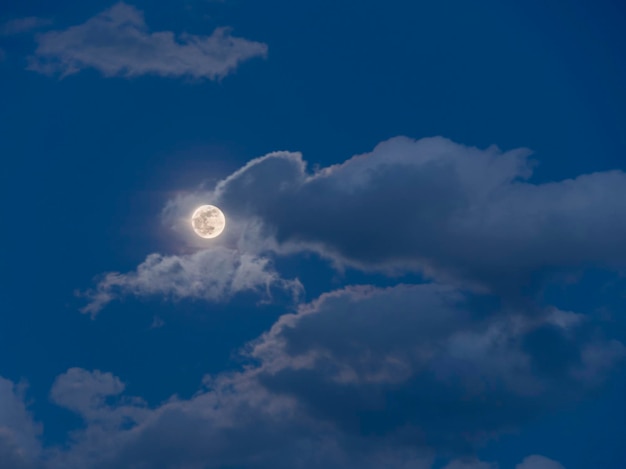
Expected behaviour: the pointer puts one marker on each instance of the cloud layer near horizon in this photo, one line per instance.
(362, 377)
(117, 42)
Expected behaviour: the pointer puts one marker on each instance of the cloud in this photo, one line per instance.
(23, 25)
(117, 42)
(455, 213)
(459, 215)
(232, 423)
(96, 397)
(420, 363)
(470, 464)
(84, 391)
(366, 376)
(538, 462)
(530, 462)
(157, 322)
(19, 444)
(214, 274)
(362, 377)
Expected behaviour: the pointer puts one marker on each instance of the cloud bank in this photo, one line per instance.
(454, 213)
(376, 377)
(362, 377)
(117, 42)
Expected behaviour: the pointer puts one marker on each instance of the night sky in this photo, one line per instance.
(424, 259)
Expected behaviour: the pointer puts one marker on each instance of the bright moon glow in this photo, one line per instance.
(208, 221)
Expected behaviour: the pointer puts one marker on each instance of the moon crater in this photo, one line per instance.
(208, 221)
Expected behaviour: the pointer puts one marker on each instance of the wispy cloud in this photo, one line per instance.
(214, 274)
(24, 25)
(117, 42)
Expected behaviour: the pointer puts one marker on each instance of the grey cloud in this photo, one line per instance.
(530, 462)
(19, 433)
(418, 363)
(539, 462)
(12, 457)
(214, 274)
(366, 376)
(470, 464)
(232, 423)
(362, 377)
(117, 42)
(84, 391)
(96, 397)
(455, 213)
(23, 25)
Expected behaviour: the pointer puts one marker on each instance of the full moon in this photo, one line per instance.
(208, 221)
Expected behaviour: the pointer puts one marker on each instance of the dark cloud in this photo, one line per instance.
(367, 376)
(460, 215)
(453, 212)
(362, 377)
(414, 364)
(117, 42)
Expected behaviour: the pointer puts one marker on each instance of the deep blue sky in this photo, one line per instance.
(89, 162)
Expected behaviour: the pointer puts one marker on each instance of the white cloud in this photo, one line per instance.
(214, 274)
(117, 42)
